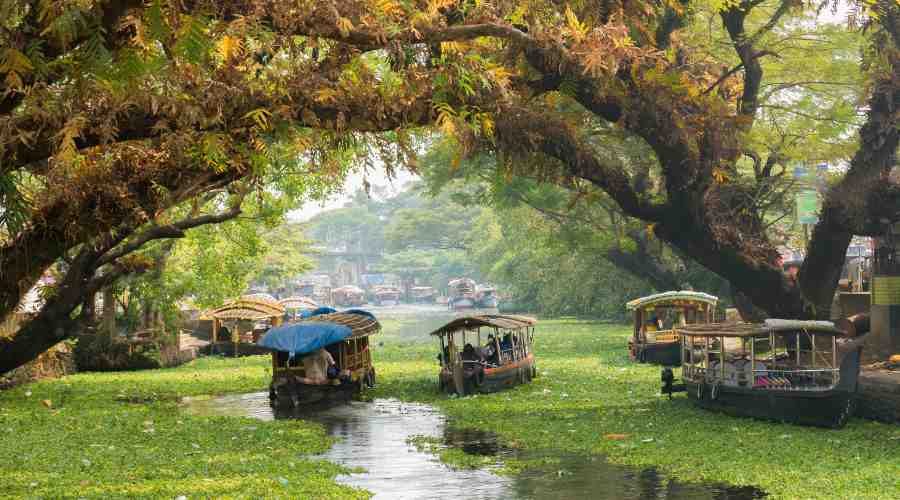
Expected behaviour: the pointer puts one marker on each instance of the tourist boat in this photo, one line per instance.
(238, 324)
(462, 293)
(803, 372)
(349, 296)
(344, 335)
(423, 294)
(486, 353)
(386, 295)
(656, 317)
(295, 306)
(486, 297)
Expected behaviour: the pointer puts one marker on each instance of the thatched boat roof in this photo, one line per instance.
(502, 321)
(246, 307)
(361, 325)
(299, 303)
(672, 298)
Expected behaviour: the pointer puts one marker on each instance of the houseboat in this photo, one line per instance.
(386, 295)
(461, 293)
(323, 357)
(485, 353)
(423, 294)
(802, 372)
(349, 296)
(486, 297)
(656, 321)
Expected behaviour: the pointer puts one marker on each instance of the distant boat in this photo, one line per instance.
(462, 293)
(486, 297)
(423, 294)
(386, 295)
(349, 296)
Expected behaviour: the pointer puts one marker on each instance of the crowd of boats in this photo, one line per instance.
(803, 372)
(462, 293)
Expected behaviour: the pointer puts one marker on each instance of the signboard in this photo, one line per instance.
(807, 207)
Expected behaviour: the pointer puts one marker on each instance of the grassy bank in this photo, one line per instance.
(591, 399)
(122, 435)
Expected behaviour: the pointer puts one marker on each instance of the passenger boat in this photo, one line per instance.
(803, 372)
(295, 306)
(386, 295)
(485, 353)
(656, 319)
(462, 293)
(423, 294)
(296, 348)
(349, 296)
(486, 297)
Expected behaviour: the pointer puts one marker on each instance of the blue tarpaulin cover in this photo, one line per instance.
(305, 337)
(361, 312)
(317, 312)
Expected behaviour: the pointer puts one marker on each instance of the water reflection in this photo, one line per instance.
(374, 436)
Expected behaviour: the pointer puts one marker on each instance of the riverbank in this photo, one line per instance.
(590, 399)
(115, 435)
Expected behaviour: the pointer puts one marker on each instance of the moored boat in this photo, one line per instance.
(656, 319)
(349, 296)
(501, 356)
(802, 372)
(323, 357)
(461, 293)
(386, 295)
(423, 294)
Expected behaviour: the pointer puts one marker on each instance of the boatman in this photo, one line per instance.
(316, 367)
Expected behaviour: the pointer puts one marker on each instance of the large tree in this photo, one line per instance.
(114, 111)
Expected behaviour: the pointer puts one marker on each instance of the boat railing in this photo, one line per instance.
(800, 379)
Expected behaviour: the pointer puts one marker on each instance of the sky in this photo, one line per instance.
(354, 182)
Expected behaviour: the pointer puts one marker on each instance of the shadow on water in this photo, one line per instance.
(374, 436)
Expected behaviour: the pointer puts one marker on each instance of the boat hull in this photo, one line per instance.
(462, 303)
(285, 394)
(821, 409)
(493, 379)
(658, 353)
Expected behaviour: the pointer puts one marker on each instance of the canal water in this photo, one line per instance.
(375, 437)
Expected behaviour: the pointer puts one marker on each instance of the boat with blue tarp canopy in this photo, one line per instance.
(325, 356)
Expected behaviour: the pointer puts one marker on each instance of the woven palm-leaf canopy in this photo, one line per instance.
(247, 308)
(674, 298)
(501, 321)
(360, 325)
(298, 303)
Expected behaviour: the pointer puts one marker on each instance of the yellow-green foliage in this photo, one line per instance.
(588, 389)
(123, 435)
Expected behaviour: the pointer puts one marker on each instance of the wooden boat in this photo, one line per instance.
(501, 356)
(296, 305)
(349, 296)
(462, 293)
(386, 295)
(803, 372)
(423, 294)
(656, 317)
(239, 323)
(486, 297)
(344, 335)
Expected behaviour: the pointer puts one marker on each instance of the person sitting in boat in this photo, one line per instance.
(652, 324)
(489, 352)
(316, 366)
